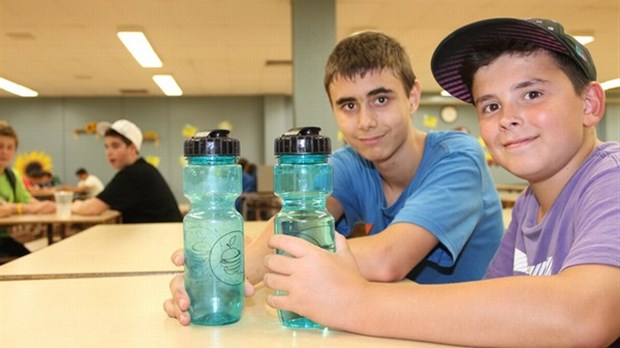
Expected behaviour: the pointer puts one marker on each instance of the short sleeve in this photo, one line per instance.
(597, 221)
(448, 204)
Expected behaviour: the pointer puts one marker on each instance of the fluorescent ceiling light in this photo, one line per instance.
(584, 39)
(140, 48)
(168, 85)
(610, 84)
(17, 89)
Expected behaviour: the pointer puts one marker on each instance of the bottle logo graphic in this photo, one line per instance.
(226, 258)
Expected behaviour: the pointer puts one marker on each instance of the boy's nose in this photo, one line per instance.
(367, 118)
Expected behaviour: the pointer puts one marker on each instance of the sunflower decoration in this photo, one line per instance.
(26, 160)
(89, 128)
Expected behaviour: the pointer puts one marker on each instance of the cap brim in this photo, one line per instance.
(449, 56)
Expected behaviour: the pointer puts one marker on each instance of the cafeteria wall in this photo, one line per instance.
(49, 124)
(53, 125)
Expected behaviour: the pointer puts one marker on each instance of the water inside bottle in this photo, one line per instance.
(318, 231)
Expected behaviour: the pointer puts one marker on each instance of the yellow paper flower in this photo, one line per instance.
(151, 135)
(91, 127)
(430, 121)
(487, 154)
(182, 161)
(24, 159)
(189, 131)
(154, 160)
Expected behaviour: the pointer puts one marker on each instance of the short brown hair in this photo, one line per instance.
(7, 131)
(366, 52)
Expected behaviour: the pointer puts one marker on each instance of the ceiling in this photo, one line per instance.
(220, 47)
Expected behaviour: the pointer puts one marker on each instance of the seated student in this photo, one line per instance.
(555, 280)
(47, 180)
(249, 177)
(88, 185)
(427, 199)
(14, 198)
(248, 180)
(32, 172)
(137, 190)
(39, 180)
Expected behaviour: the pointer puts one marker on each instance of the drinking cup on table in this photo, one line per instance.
(63, 203)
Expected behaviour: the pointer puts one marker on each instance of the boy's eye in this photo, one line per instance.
(382, 100)
(532, 95)
(490, 107)
(349, 106)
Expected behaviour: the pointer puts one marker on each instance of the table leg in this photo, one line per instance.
(63, 230)
(50, 234)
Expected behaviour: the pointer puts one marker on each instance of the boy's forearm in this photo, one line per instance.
(390, 255)
(563, 310)
(91, 206)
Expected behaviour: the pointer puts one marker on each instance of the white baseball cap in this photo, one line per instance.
(129, 130)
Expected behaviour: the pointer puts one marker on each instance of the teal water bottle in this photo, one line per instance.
(213, 229)
(303, 181)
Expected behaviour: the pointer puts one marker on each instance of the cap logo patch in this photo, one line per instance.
(581, 53)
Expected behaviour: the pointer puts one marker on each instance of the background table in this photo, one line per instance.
(127, 312)
(108, 216)
(259, 205)
(109, 250)
(511, 187)
(508, 193)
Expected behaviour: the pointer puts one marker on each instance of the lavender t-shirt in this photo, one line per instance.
(582, 226)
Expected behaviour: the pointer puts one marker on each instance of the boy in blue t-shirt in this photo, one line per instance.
(427, 199)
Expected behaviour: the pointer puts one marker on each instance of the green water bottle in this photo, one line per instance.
(303, 179)
(213, 229)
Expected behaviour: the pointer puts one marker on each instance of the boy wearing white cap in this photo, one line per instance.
(138, 190)
(555, 280)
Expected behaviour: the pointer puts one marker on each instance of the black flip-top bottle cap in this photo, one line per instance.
(303, 140)
(211, 142)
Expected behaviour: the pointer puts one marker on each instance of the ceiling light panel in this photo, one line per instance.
(168, 85)
(140, 48)
(611, 84)
(17, 89)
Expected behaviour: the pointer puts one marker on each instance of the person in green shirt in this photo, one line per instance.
(14, 198)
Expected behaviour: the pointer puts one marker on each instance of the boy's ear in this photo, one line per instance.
(415, 95)
(594, 104)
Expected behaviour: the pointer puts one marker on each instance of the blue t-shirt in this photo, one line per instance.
(452, 196)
